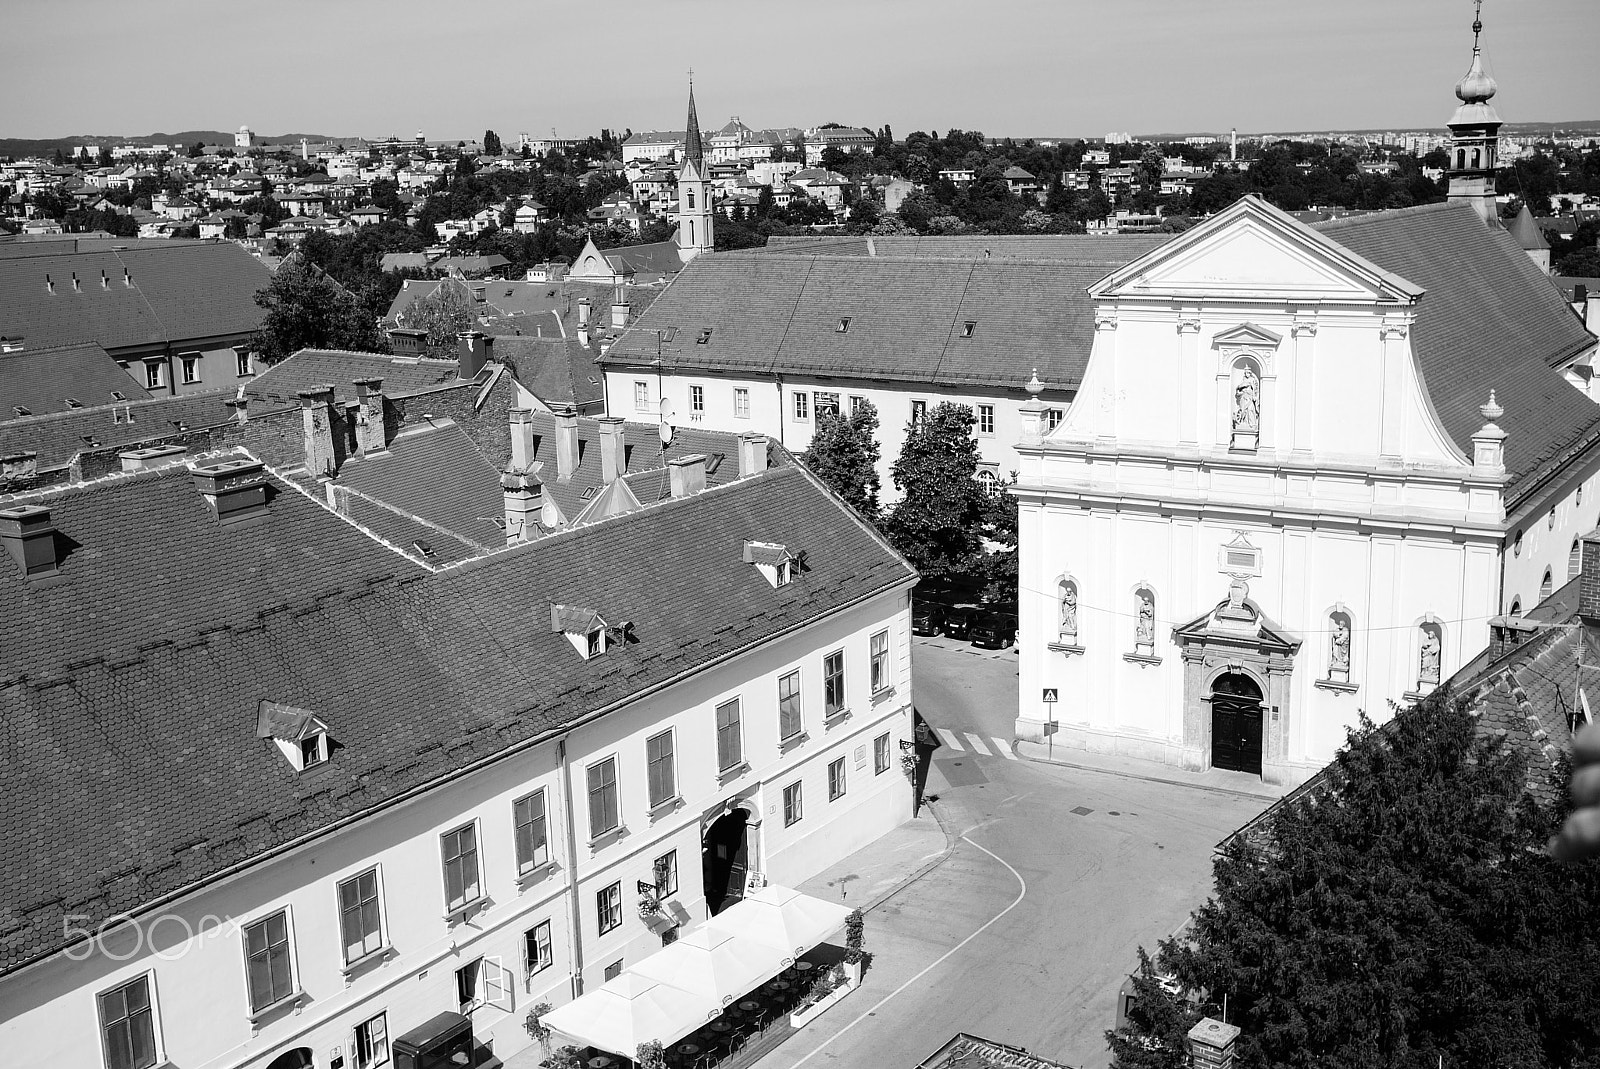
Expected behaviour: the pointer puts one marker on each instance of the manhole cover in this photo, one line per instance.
(1083, 811)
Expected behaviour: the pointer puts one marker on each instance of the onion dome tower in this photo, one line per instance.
(1475, 134)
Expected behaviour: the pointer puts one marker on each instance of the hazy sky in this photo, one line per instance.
(1022, 67)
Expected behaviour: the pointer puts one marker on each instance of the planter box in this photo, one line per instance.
(801, 1018)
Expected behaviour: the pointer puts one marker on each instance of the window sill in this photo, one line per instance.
(732, 773)
(466, 910)
(606, 838)
(1141, 658)
(533, 874)
(1338, 686)
(882, 694)
(1068, 648)
(665, 809)
(295, 998)
(793, 742)
(383, 953)
(838, 716)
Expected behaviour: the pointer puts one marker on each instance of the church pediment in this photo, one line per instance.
(1247, 335)
(1253, 250)
(1237, 623)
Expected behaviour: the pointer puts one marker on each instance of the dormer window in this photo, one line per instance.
(775, 563)
(313, 750)
(705, 336)
(299, 734)
(584, 628)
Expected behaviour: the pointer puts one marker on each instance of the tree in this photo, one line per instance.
(939, 521)
(1403, 914)
(305, 309)
(444, 313)
(197, 150)
(1583, 263)
(491, 143)
(844, 454)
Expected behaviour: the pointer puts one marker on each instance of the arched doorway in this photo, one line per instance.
(299, 1058)
(723, 859)
(1236, 723)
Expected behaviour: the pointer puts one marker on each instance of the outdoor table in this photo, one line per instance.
(749, 1005)
(688, 1048)
(599, 1061)
(722, 1026)
(804, 966)
(781, 985)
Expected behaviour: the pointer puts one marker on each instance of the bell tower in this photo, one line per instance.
(695, 215)
(1475, 135)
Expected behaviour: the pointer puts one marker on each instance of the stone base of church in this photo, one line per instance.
(1084, 739)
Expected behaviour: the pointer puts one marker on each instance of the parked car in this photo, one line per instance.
(927, 618)
(958, 620)
(992, 630)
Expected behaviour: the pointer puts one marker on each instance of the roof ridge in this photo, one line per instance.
(839, 257)
(1345, 221)
(102, 481)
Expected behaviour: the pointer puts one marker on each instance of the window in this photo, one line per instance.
(469, 987)
(1546, 585)
(968, 327)
(608, 907)
(844, 324)
(371, 1046)
(827, 404)
(1550, 524)
(989, 481)
(985, 419)
(128, 1026)
(836, 780)
(533, 840)
(789, 718)
(663, 776)
(244, 364)
(267, 967)
(641, 396)
(880, 754)
(793, 804)
(880, 661)
(359, 916)
(857, 403)
(833, 683)
(1575, 560)
(690, 192)
(152, 374)
(614, 970)
(665, 871)
(730, 749)
(741, 402)
(919, 411)
(191, 369)
(536, 953)
(1516, 607)
(460, 850)
(1052, 419)
(1516, 545)
(697, 398)
(312, 751)
(603, 797)
(802, 407)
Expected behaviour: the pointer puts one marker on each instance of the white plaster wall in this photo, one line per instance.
(1574, 501)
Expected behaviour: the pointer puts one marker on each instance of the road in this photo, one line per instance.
(1058, 875)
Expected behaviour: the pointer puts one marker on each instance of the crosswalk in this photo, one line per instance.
(966, 740)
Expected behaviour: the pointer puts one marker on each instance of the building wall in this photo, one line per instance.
(193, 949)
(1549, 524)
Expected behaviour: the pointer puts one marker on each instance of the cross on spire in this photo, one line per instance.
(1477, 26)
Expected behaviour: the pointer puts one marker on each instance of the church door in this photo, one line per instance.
(1236, 723)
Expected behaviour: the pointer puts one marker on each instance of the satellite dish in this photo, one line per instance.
(666, 423)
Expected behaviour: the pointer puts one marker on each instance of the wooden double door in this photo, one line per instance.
(1236, 723)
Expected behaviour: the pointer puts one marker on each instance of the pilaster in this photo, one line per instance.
(1304, 333)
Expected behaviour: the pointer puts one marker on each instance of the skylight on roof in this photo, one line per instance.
(73, 402)
(21, 411)
(705, 336)
(844, 324)
(118, 395)
(968, 327)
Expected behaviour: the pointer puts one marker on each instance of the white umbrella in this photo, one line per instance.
(713, 964)
(781, 917)
(629, 1010)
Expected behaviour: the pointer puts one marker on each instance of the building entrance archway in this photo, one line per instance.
(724, 859)
(1236, 723)
(298, 1058)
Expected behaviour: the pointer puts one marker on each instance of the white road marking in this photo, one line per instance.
(977, 743)
(1004, 748)
(1021, 894)
(987, 745)
(950, 738)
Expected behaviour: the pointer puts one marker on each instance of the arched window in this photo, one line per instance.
(1516, 545)
(1144, 630)
(989, 481)
(1339, 632)
(1546, 585)
(1574, 559)
(1067, 604)
(1461, 159)
(1477, 158)
(1516, 607)
(1550, 524)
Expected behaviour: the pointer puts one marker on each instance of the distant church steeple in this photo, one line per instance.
(695, 216)
(1475, 134)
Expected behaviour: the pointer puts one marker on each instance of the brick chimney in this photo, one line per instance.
(619, 314)
(752, 453)
(1589, 578)
(1506, 633)
(522, 440)
(1211, 1044)
(687, 475)
(153, 457)
(566, 440)
(316, 413)
(30, 538)
(236, 490)
(371, 436)
(24, 465)
(613, 449)
(472, 352)
(524, 500)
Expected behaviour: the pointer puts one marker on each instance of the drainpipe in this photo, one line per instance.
(574, 928)
(778, 381)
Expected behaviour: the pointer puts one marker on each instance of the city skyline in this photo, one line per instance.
(1029, 70)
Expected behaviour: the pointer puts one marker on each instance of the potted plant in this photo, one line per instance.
(856, 957)
(649, 1055)
(536, 1026)
(566, 1058)
(649, 907)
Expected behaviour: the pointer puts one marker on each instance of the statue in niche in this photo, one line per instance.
(1428, 669)
(1069, 610)
(1339, 649)
(1145, 633)
(1247, 403)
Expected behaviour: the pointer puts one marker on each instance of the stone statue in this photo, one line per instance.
(1430, 657)
(1339, 649)
(1247, 403)
(1146, 633)
(1069, 609)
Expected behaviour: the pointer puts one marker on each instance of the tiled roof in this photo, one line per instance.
(775, 312)
(434, 473)
(60, 436)
(132, 685)
(556, 370)
(1490, 320)
(656, 258)
(39, 381)
(402, 376)
(180, 292)
(1110, 249)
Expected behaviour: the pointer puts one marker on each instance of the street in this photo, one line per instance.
(1057, 875)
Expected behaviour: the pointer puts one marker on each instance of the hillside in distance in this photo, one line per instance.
(18, 147)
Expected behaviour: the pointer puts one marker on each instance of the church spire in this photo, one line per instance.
(692, 149)
(1475, 134)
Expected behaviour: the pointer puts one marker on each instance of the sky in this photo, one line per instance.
(369, 68)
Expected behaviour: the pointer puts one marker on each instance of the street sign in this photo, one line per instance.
(1050, 694)
(1051, 727)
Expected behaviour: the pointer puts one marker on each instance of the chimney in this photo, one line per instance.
(687, 475)
(752, 453)
(1589, 578)
(316, 412)
(49, 286)
(524, 501)
(153, 457)
(235, 489)
(1506, 633)
(619, 314)
(105, 280)
(522, 436)
(613, 449)
(566, 441)
(241, 409)
(1212, 1044)
(127, 277)
(1591, 312)
(30, 538)
(370, 432)
(583, 310)
(472, 352)
(24, 465)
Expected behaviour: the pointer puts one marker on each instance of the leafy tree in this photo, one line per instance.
(491, 143)
(197, 150)
(1406, 913)
(444, 313)
(844, 454)
(305, 309)
(940, 520)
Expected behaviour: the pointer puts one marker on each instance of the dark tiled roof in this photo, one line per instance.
(40, 380)
(402, 376)
(60, 436)
(435, 473)
(771, 312)
(556, 370)
(1112, 250)
(656, 258)
(180, 292)
(1490, 320)
(132, 687)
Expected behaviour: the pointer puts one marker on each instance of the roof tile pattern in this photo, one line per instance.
(309, 368)
(39, 381)
(60, 436)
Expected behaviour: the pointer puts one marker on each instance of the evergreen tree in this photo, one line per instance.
(305, 309)
(491, 143)
(940, 520)
(844, 454)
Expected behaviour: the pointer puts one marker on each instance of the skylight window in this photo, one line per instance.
(705, 336)
(73, 402)
(118, 395)
(844, 324)
(968, 327)
(21, 411)
(424, 548)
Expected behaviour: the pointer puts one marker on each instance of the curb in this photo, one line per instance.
(1017, 748)
(922, 870)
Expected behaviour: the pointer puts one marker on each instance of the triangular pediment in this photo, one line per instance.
(1247, 334)
(1242, 624)
(1253, 250)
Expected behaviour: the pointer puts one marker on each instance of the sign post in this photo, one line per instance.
(1050, 696)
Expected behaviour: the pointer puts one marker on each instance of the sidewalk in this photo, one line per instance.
(885, 866)
(1212, 779)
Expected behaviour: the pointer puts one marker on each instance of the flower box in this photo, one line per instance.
(806, 1014)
